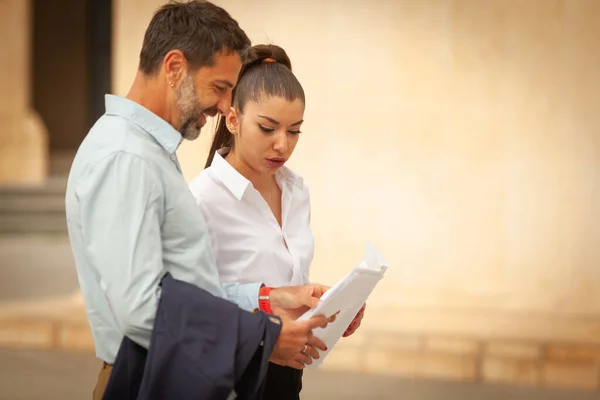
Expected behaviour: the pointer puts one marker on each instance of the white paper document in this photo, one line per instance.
(347, 296)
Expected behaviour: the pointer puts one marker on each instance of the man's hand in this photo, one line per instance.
(294, 346)
(355, 322)
(314, 344)
(293, 301)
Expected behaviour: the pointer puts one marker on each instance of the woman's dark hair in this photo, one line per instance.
(268, 72)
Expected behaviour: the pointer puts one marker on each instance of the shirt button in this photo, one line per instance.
(173, 157)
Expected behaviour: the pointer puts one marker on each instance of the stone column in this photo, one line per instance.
(23, 137)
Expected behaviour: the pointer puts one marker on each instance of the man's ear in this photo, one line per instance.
(175, 66)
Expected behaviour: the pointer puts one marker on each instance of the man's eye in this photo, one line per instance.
(221, 88)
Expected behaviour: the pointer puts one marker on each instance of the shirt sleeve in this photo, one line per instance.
(245, 295)
(121, 205)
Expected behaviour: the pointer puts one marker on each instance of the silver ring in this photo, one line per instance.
(304, 350)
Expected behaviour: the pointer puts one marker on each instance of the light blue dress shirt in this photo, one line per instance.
(131, 218)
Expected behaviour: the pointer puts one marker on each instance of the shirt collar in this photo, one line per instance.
(158, 128)
(237, 183)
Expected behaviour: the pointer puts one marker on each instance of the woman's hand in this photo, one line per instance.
(293, 301)
(355, 322)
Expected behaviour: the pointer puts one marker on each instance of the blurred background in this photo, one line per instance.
(461, 137)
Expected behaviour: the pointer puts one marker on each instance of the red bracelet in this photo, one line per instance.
(264, 299)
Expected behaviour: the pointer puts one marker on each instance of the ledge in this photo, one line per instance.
(514, 350)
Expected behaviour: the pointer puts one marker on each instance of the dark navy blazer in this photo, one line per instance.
(202, 348)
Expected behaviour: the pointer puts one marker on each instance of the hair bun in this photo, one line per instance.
(270, 53)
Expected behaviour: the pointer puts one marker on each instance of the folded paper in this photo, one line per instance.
(347, 296)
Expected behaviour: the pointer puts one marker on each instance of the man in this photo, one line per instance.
(131, 217)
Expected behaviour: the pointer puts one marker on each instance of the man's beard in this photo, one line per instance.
(187, 103)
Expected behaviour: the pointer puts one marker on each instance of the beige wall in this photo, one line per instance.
(461, 137)
(23, 139)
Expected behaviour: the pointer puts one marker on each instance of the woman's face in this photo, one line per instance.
(267, 132)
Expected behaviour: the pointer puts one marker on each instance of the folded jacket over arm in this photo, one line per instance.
(202, 347)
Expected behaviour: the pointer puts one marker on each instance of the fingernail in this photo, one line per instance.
(325, 348)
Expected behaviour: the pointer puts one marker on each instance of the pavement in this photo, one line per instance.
(51, 375)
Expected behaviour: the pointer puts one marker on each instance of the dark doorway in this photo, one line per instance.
(71, 70)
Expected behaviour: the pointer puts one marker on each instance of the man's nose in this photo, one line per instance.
(224, 104)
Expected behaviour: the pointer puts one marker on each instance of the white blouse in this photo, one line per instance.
(247, 241)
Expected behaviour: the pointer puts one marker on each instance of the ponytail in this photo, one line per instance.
(222, 138)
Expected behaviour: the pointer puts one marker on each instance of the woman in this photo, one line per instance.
(258, 210)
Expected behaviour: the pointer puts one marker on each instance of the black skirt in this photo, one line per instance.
(283, 383)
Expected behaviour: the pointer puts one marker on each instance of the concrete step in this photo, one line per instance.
(34, 209)
(32, 203)
(54, 223)
(54, 185)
